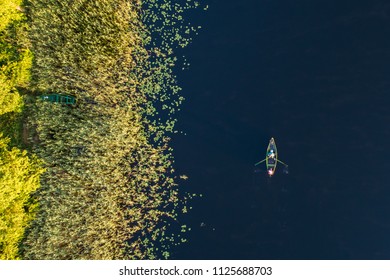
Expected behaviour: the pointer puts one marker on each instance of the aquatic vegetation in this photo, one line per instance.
(166, 30)
(110, 188)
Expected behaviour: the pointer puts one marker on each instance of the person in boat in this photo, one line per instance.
(271, 154)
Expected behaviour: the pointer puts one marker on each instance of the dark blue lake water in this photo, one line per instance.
(315, 75)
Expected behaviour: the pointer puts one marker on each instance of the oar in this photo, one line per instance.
(260, 161)
(282, 163)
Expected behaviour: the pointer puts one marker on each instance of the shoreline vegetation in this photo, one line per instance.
(19, 170)
(96, 178)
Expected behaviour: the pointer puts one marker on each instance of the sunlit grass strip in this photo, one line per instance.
(19, 178)
(19, 171)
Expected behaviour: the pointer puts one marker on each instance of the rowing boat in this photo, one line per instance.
(271, 158)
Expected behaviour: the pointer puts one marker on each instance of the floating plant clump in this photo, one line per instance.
(164, 31)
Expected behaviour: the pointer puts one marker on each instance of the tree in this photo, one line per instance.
(15, 58)
(19, 177)
(9, 11)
